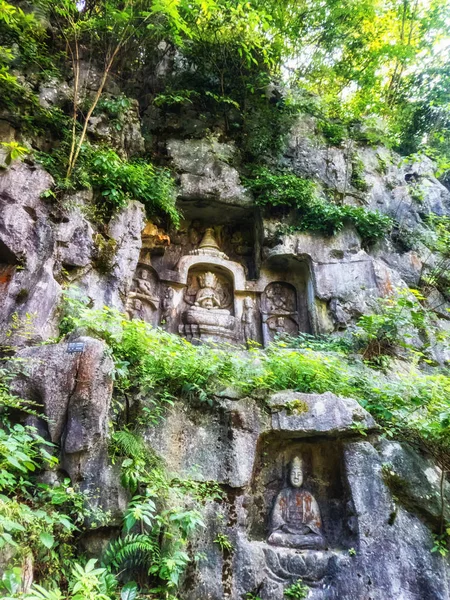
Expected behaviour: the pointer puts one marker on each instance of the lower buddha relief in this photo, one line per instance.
(296, 521)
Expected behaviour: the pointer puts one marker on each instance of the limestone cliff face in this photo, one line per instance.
(260, 283)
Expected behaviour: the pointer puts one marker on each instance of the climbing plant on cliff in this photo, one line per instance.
(311, 212)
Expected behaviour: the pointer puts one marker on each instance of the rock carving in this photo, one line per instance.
(295, 520)
(247, 319)
(167, 308)
(279, 311)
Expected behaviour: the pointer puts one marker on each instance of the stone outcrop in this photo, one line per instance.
(228, 275)
(43, 247)
(73, 384)
(207, 172)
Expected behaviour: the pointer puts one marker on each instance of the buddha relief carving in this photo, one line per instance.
(279, 311)
(207, 297)
(209, 315)
(143, 299)
(295, 520)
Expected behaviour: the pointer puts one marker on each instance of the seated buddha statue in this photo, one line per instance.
(295, 521)
(207, 317)
(207, 297)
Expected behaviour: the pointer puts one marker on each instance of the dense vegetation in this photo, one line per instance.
(411, 401)
(41, 524)
(313, 213)
(372, 70)
(367, 71)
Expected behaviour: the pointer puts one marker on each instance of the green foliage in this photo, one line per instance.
(115, 181)
(367, 62)
(15, 151)
(399, 322)
(157, 524)
(86, 582)
(21, 452)
(327, 343)
(335, 133)
(159, 549)
(223, 541)
(152, 361)
(357, 176)
(297, 590)
(410, 404)
(116, 109)
(441, 543)
(36, 519)
(439, 238)
(313, 213)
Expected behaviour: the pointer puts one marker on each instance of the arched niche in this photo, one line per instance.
(212, 263)
(209, 304)
(217, 279)
(286, 297)
(143, 299)
(279, 310)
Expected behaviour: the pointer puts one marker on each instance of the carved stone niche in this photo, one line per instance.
(211, 302)
(143, 299)
(279, 313)
(300, 498)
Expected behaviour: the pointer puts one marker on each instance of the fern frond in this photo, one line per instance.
(134, 550)
(128, 443)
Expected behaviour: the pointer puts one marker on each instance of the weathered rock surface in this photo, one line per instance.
(27, 245)
(207, 172)
(42, 246)
(125, 136)
(74, 390)
(300, 415)
(378, 542)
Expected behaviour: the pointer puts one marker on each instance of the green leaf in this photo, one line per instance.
(129, 591)
(47, 539)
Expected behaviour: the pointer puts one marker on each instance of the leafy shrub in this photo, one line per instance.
(223, 541)
(314, 213)
(115, 180)
(334, 133)
(392, 328)
(357, 176)
(36, 519)
(297, 590)
(165, 527)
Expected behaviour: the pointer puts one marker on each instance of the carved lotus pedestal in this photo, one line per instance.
(212, 325)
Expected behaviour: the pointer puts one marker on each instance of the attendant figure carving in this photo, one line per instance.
(247, 319)
(143, 299)
(167, 308)
(144, 285)
(296, 521)
(279, 311)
